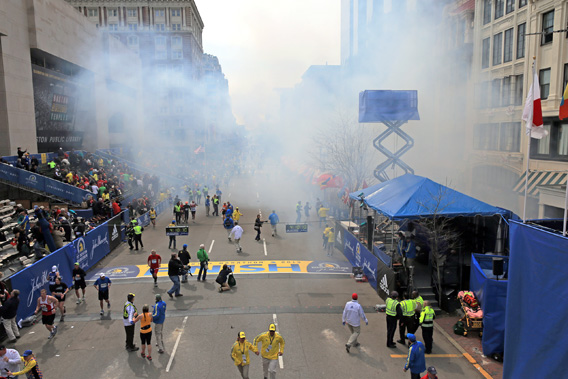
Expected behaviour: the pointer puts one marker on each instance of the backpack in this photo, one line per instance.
(459, 328)
(231, 280)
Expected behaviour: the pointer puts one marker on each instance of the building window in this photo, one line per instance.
(160, 27)
(112, 12)
(543, 144)
(93, 12)
(176, 27)
(161, 47)
(131, 12)
(499, 8)
(509, 6)
(132, 41)
(486, 137)
(483, 95)
(508, 50)
(132, 27)
(496, 93)
(547, 27)
(521, 40)
(497, 48)
(506, 92)
(518, 90)
(177, 54)
(544, 81)
(176, 42)
(510, 138)
(522, 3)
(486, 12)
(159, 13)
(113, 27)
(562, 147)
(176, 12)
(485, 53)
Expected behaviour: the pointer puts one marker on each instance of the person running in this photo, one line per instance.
(222, 278)
(79, 281)
(47, 305)
(192, 209)
(158, 317)
(31, 368)
(224, 209)
(272, 346)
(330, 242)
(153, 217)
(59, 292)
(51, 277)
(129, 316)
(274, 220)
(237, 214)
(102, 284)
(145, 331)
(228, 224)
(184, 257)
(154, 262)
(172, 237)
(298, 212)
(207, 206)
(203, 262)
(237, 233)
(186, 211)
(240, 354)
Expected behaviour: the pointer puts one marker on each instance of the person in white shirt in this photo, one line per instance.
(237, 233)
(352, 315)
(9, 359)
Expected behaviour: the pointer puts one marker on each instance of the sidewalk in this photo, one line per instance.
(470, 345)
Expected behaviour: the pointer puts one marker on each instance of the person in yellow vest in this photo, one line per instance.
(240, 354)
(427, 317)
(408, 308)
(394, 313)
(129, 315)
(324, 236)
(145, 331)
(272, 346)
(419, 304)
(153, 217)
(237, 214)
(330, 242)
(138, 235)
(322, 213)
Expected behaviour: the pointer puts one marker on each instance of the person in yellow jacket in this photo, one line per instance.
(240, 354)
(325, 236)
(237, 214)
(322, 213)
(31, 368)
(330, 242)
(272, 347)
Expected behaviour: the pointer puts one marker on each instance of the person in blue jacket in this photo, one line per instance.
(228, 224)
(415, 362)
(158, 317)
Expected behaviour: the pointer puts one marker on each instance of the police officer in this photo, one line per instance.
(427, 317)
(137, 234)
(129, 314)
(130, 234)
(408, 308)
(419, 304)
(394, 312)
(172, 237)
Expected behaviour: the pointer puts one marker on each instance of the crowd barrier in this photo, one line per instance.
(43, 184)
(87, 250)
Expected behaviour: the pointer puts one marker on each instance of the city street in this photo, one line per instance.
(203, 324)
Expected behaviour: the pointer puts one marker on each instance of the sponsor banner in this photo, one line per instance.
(177, 230)
(33, 180)
(8, 173)
(115, 231)
(358, 255)
(296, 228)
(340, 232)
(382, 255)
(386, 280)
(91, 248)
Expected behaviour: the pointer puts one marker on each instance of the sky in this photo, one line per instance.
(265, 45)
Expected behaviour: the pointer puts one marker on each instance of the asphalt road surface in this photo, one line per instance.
(204, 323)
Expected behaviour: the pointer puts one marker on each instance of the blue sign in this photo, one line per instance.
(358, 255)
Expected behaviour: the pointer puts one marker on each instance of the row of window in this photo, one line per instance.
(555, 145)
(503, 46)
(501, 7)
(501, 92)
(133, 12)
(498, 137)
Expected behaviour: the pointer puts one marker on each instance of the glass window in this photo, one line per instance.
(112, 12)
(177, 54)
(547, 27)
(510, 139)
(521, 29)
(543, 144)
(544, 80)
(485, 53)
(132, 41)
(506, 92)
(133, 27)
(93, 12)
(113, 27)
(176, 42)
(510, 6)
(519, 90)
(563, 140)
(522, 3)
(496, 93)
(499, 8)
(176, 12)
(159, 13)
(176, 26)
(160, 42)
(160, 27)
(492, 137)
(508, 49)
(131, 12)
(486, 12)
(497, 48)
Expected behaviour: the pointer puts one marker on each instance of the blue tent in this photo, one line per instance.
(411, 196)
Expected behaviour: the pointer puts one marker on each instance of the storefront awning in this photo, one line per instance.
(540, 178)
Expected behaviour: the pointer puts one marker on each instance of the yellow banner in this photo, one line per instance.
(43, 158)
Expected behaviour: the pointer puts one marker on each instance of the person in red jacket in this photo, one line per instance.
(115, 208)
(430, 373)
(154, 261)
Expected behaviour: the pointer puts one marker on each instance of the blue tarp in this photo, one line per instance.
(536, 304)
(411, 196)
(492, 296)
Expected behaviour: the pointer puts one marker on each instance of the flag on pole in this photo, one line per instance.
(564, 105)
(532, 114)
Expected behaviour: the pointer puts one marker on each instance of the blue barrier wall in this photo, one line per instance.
(358, 255)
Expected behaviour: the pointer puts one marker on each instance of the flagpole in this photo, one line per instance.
(528, 149)
(565, 211)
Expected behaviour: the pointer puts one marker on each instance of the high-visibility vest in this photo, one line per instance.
(408, 307)
(420, 301)
(177, 209)
(137, 229)
(427, 317)
(391, 307)
(125, 313)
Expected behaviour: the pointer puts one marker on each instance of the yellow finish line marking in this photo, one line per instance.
(429, 355)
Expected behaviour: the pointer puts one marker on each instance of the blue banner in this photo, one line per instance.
(382, 255)
(32, 180)
(358, 255)
(91, 248)
(8, 173)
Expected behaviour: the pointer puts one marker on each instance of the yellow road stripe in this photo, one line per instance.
(482, 371)
(428, 355)
(469, 358)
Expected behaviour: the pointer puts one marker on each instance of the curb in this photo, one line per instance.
(463, 352)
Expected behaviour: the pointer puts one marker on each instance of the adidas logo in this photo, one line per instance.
(384, 285)
(114, 233)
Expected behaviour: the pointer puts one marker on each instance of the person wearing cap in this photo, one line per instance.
(394, 313)
(9, 360)
(102, 284)
(427, 317)
(154, 262)
(237, 233)
(175, 268)
(138, 235)
(129, 315)
(185, 257)
(158, 318)
(352, 315)
(203, 262)
(406, 323)
(51, 278)
(415, 361)
(237, 214)
(272, 346)
(431, 373)
(172, 237)
(240, 354)
(79, 281)
(47, 305)
(228, 224)
(31, 368)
